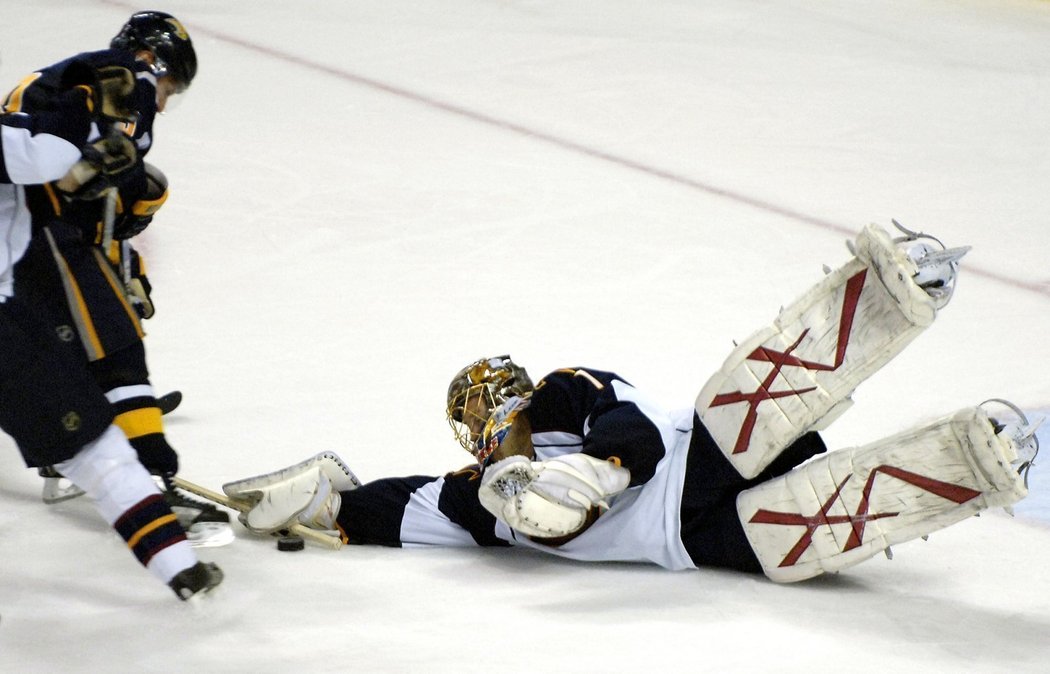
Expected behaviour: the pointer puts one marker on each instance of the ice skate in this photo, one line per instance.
(851, 504)
(196, 581)
(206, 526)
(935, 269)
(56, 487)
(1011, 422)
(798, 374)
(307, 492)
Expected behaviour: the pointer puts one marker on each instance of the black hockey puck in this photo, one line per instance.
(290, 543)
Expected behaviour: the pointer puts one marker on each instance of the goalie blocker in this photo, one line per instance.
(849, 505)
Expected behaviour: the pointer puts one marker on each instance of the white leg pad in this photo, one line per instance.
(849, 505)
(797, 374)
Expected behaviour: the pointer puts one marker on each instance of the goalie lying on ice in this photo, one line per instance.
(584, 466)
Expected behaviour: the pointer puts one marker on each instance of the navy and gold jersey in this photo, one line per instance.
(79, 288)
(45, 122)
(45, 92)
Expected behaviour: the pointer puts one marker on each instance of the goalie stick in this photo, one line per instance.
(243, 506)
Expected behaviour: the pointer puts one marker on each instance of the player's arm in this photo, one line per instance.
(68, 136)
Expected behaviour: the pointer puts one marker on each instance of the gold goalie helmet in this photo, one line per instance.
(477, 390)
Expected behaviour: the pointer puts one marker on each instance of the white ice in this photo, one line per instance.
(366, 195)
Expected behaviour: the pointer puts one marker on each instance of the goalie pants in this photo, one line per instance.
(711, 529)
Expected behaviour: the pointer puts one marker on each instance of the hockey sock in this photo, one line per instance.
(128, 499)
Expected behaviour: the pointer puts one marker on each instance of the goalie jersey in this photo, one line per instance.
(678, 476)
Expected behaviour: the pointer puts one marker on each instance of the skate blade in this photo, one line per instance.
(210, 534)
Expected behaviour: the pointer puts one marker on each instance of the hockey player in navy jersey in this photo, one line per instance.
(583, 465)
(72, 134)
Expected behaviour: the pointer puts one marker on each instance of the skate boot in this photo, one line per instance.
(206, 526)
(1013, 424)
(936, 266)
(56, 487)
(196, 581)
(308, 493)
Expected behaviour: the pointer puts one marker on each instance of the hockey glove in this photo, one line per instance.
(110, 90)
(552, 498)
(156, 454)
(101, 163)
(132, 221)
(113, 94)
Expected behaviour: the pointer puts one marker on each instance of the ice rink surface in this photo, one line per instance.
(368, 195)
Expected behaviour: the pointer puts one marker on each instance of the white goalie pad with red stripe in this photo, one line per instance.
(849, 505)
(797, 374)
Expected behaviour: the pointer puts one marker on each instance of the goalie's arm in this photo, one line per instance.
(418, 510)
(613, 420)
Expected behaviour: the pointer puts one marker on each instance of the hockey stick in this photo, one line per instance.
(322, 539)
(169, 401)
(109, 217)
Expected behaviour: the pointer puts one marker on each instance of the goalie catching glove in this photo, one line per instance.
(552, 498)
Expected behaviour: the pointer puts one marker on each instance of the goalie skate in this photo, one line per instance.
(278, 499)
(798, 374)
(851, 504)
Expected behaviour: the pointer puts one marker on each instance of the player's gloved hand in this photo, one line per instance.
(137, 209)
(156, 454)
(101, 163)
(110, 91)
(552, 498)
(113, 94)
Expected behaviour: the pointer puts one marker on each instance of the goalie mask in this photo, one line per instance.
(477, 390)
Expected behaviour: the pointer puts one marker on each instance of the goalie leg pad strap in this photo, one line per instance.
(797, 374)
(845, 507)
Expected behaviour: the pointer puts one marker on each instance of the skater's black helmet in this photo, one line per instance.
(164, 36)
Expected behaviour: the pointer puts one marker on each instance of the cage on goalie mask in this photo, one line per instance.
(498, 429)
(477, 390)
